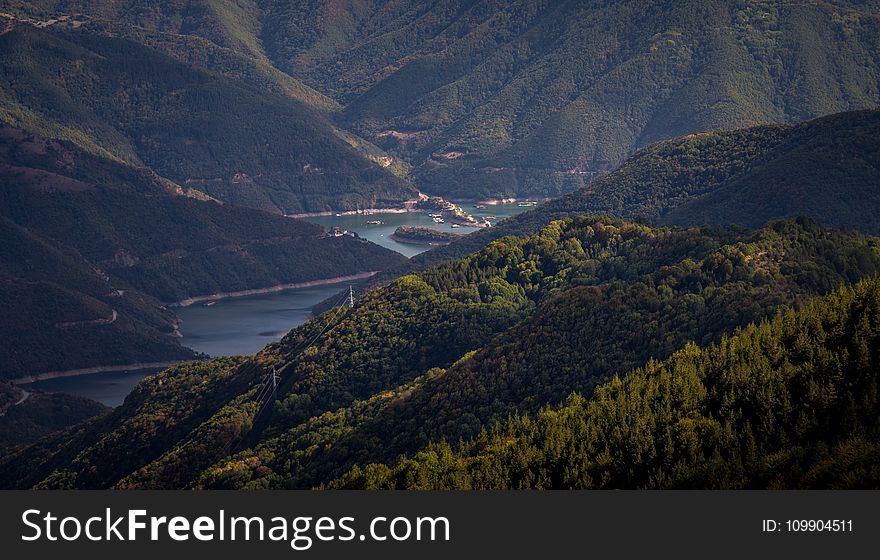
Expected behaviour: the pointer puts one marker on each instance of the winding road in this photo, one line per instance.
(23, 398)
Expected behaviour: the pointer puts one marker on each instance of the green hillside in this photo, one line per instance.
(232, 25)
(634, 294)
(443, 354)
(88, 239)
(827, 168)
(791, 403)
(537, 97)
(242, 134)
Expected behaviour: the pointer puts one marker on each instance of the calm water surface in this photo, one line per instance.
(244, 325)
(108, 388)
(381, 234)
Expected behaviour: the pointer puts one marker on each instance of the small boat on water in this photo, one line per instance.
(527, 203)
(455, 226)
(210, 303)
(480, 206)
(439, 221)
(374, 222)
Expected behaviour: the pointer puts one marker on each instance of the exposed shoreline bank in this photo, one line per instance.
(93, 370)
(366, 211)
(414, 242)
(410, 206)
(503, 201)
(272, 289)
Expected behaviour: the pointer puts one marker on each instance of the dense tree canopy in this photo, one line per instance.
(789, 403)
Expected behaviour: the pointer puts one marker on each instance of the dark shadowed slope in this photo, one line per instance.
(27, 416)
(91, 246)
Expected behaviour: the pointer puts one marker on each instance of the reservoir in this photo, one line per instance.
(229, 327)
(244, 325)
(107, 388)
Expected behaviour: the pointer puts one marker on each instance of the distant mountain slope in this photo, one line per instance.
(60, 313)
(165, 30)
(442, 354)
(537, 96)
(791, 403)
(530, 97)
(241, 132)
(88, 239)
(232, 25)
(827, 169)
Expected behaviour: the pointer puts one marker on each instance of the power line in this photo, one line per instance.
(274, 378)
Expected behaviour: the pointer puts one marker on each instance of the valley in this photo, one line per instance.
(467, 244)
(243, 323)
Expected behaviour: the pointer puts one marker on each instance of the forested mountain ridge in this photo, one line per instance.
(229, 25)
(242, 132)
(827, 168)
(93, 246)
(790, 403)
(644, 298)
(442, 354)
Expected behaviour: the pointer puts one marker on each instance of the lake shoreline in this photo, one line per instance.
(93, 371)
(415, 242)
(366, 211)
(272, 289)
(410, 206)
(502, 201)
